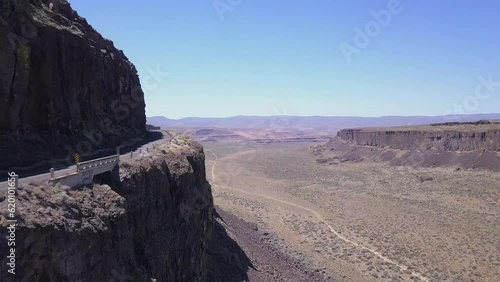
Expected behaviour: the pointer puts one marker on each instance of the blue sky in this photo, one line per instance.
(264, 57)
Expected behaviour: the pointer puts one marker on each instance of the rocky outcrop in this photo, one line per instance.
(63, 87)
(463, 145)
(155, 223)
(443, 140)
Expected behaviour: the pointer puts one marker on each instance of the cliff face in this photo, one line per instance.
(446, 140)
(465, 145)
(156, 222)
(63, 87)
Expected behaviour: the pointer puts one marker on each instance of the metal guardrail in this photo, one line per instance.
(97, 162)
(85, 171)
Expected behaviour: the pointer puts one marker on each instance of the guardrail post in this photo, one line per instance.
(131, 154)
(77, 167)
(118, 150)
(52, 173)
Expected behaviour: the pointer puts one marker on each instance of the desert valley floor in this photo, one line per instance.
(362, 221)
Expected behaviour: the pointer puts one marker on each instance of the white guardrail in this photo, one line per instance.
(85, 171)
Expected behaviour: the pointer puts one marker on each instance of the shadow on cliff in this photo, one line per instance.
(150, 136)
(226, 259)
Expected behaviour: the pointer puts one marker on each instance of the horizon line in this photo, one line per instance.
(339, 116)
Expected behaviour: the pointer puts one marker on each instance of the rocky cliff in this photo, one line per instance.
(444, 140)
(467, 145)
(155, 222)
(63, 87)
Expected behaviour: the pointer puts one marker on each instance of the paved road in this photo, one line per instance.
(44, 177)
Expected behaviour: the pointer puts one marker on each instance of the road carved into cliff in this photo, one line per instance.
(320, 218)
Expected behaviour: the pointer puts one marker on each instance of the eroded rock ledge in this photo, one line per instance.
(445, 138)
(467, 145)
(156, 223)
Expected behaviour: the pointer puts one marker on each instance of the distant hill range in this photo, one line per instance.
(311, 123)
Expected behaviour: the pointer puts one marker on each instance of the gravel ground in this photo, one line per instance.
(268, 262)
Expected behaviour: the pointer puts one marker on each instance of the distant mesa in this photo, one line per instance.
(465, 123)
(460, 144)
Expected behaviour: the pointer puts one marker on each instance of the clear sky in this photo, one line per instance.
(267, 57)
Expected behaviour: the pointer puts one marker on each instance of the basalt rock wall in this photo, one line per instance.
(424, 140)
(63, 87)
(156, 222)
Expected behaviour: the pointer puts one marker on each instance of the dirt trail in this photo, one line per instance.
(319, 217)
